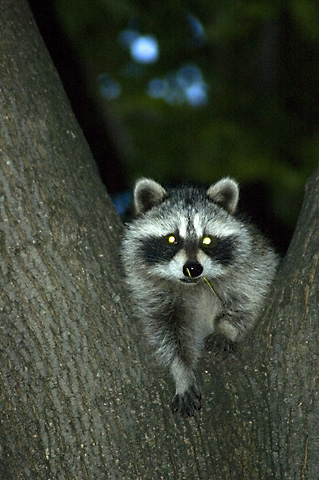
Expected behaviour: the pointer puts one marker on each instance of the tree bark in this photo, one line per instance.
(81, 394)
(292, 333)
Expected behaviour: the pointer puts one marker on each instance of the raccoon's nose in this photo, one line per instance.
(192, 269)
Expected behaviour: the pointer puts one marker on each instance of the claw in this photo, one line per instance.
(220, 345)
(187, 403)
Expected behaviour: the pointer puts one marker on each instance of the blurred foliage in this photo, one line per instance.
(260, 62)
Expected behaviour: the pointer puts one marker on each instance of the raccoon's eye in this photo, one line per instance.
(207, 240)
(172, 239)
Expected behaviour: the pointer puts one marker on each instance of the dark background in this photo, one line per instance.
(254, 66)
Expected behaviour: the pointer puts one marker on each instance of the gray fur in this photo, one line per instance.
(167, 280)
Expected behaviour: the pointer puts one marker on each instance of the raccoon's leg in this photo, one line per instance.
(173, 336)
(230, 328)
(187, 399)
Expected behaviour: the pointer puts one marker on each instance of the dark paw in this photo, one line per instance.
(188, 403)
(220, 345)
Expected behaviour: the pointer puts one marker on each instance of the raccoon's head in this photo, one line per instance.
(185, 234)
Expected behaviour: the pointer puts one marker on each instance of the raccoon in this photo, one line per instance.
(198, 275)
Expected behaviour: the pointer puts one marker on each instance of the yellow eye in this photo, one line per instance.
(207, 240)
(171, 239)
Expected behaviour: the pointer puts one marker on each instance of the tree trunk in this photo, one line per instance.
(81, 394)
(292, 349)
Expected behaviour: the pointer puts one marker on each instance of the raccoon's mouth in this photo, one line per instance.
(190, 281)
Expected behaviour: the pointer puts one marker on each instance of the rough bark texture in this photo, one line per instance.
(81, 395)
(292, 343)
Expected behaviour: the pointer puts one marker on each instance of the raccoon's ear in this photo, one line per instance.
(225, 193)
(147, 194)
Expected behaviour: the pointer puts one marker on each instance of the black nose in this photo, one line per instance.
(192, 269)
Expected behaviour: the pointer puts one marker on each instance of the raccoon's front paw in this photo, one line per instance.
(187, 403)
(220, 345)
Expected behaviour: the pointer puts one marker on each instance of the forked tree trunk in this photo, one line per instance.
(81, 395)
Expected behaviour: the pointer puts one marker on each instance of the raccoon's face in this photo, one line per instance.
(188, 252)
(186, 236)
